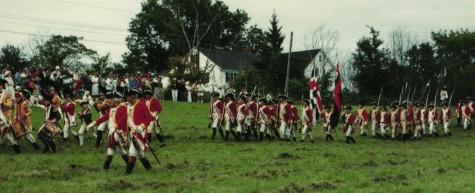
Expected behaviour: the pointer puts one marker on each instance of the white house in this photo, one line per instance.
(224, 65)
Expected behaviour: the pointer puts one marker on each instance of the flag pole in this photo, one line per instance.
(288, 64)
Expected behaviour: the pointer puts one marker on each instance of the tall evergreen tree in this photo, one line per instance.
(271, 63)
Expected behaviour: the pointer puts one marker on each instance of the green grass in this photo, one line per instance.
(191, 162)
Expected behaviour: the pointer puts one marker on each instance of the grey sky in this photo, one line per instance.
(348, 17)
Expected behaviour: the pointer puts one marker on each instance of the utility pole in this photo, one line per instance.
(288, 64)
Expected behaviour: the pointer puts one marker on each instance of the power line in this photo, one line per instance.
(41, 20)
(95, 6)
(86, 40)
(68, 29)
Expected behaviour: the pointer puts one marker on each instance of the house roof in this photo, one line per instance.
(230, 60)
(300, 60)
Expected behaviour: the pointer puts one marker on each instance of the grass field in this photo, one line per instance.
(191, 162)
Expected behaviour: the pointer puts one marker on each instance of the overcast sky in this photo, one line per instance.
(104, 23)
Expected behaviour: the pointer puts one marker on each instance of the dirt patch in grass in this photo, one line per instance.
(155, 185)
(395, 163)
(250, 149)
(292, 188)
(303, 149)
(389, 178)
(76, 167)
(396, 154)
(169, 137)
(441, 171)
(329, 155)
(203, 137)
(204, 165)
(173, 166)
(321, 186)
(120, 185)
(369, 163)
(286, 155)
(267, 174)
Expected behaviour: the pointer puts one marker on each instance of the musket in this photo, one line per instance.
(414, 93)
(159, 126)
(379, 98)
(153, 153)
(427, 97)
(450, 100)
(400, 95)
(435, 97)
(424, 90)
(210, 111)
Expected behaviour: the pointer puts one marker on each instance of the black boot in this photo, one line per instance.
(35, 146)
(238, 136)
(347, 139)
(221, 133)
(226, 137)
(146, 163)
(352, 139)
(261, 136)
(247, 134)
(149, 138)
(214, 133)
(125, 158)
(256, 137)
(52, 145)
(99, 138)
(46, 149)
(331, 137)
(16, 148)
(268, 137)
(449, 134)
(130, 165)
(108, 162)
(161, 140)
(295, 139)
(77, 138)
(277, 134)
(233, 133)
(327, 138)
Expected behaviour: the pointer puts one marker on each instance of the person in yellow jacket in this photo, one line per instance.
(21, 120)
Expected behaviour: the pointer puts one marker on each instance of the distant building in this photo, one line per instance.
(223, 65)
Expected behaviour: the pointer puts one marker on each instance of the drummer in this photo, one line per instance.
(21, 121)
(51, 126)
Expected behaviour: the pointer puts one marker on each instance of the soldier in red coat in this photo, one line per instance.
(104, 108)
(466, 112)
(264, 119)
(384, 121)
(394, 119)
(307, 119)
(432, 119)
(155, 108)
(326, 115)
(251, 119)
(241, 116)
(68, 107)
(230, 114)
(139, 118)
(416, 121)
(458, 109)
(294, 119)
(445, 116)
(284, 117)
(374, 115)
(273, 112)
(118, 131)
(362, 118)
(348, 120)
(216, 115)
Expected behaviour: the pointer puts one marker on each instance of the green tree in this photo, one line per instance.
(176, 28)
(13, 56)
(372, 64)
(64, 51)
(272, 65)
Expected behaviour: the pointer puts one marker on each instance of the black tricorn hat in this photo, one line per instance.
(132, 92)
(215, 94)
(348, 107)
(84, 102)
(230, 95)
(147, 91)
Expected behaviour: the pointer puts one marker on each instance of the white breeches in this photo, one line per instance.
(349, 130)
(8, 139)
(67, 129)
(306, 131)
(283, 129)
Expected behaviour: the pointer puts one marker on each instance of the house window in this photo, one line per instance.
(230, 76)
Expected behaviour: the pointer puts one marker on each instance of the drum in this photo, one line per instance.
(4, 129)
(48, 131)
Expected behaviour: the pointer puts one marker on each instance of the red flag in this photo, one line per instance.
(337, 99)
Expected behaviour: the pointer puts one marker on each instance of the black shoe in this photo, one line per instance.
(238, 136)
(99, 138)
(226, 136)
(125, 158)
(221, 133)
(52, 145)
(364, 134)
(214, 133)
(352, 139)
(46, 149)
(130, 165)
(36, 146)
(233, 134)
(146, 163)
(295, 139)
(301, 140)
(436, 134)
(347, 139)
(107, 162)
(77, 138)
(312, 141)
(261, 136)
(16, 148)
(449, 134)
(327, 138)
(331, 137)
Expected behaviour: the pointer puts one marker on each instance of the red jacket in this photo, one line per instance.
(120, 118)
(253, 107)
(231, 110)
(410, 114)
(349, 120)
(363, 114)
(154, 105)
(287, 114)
(217, 106)
(267, 113)
(295, 114)
(309, 117)
(68, 108)
(449, 115)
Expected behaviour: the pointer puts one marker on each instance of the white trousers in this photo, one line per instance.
(283, 130)
(349, 130)
(174, 95)
(306, 131)
(67, 129)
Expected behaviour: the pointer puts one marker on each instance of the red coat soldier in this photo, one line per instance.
(362, 118)
(155, 108)
(230, 114)
(348, 120)
(307, 120)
